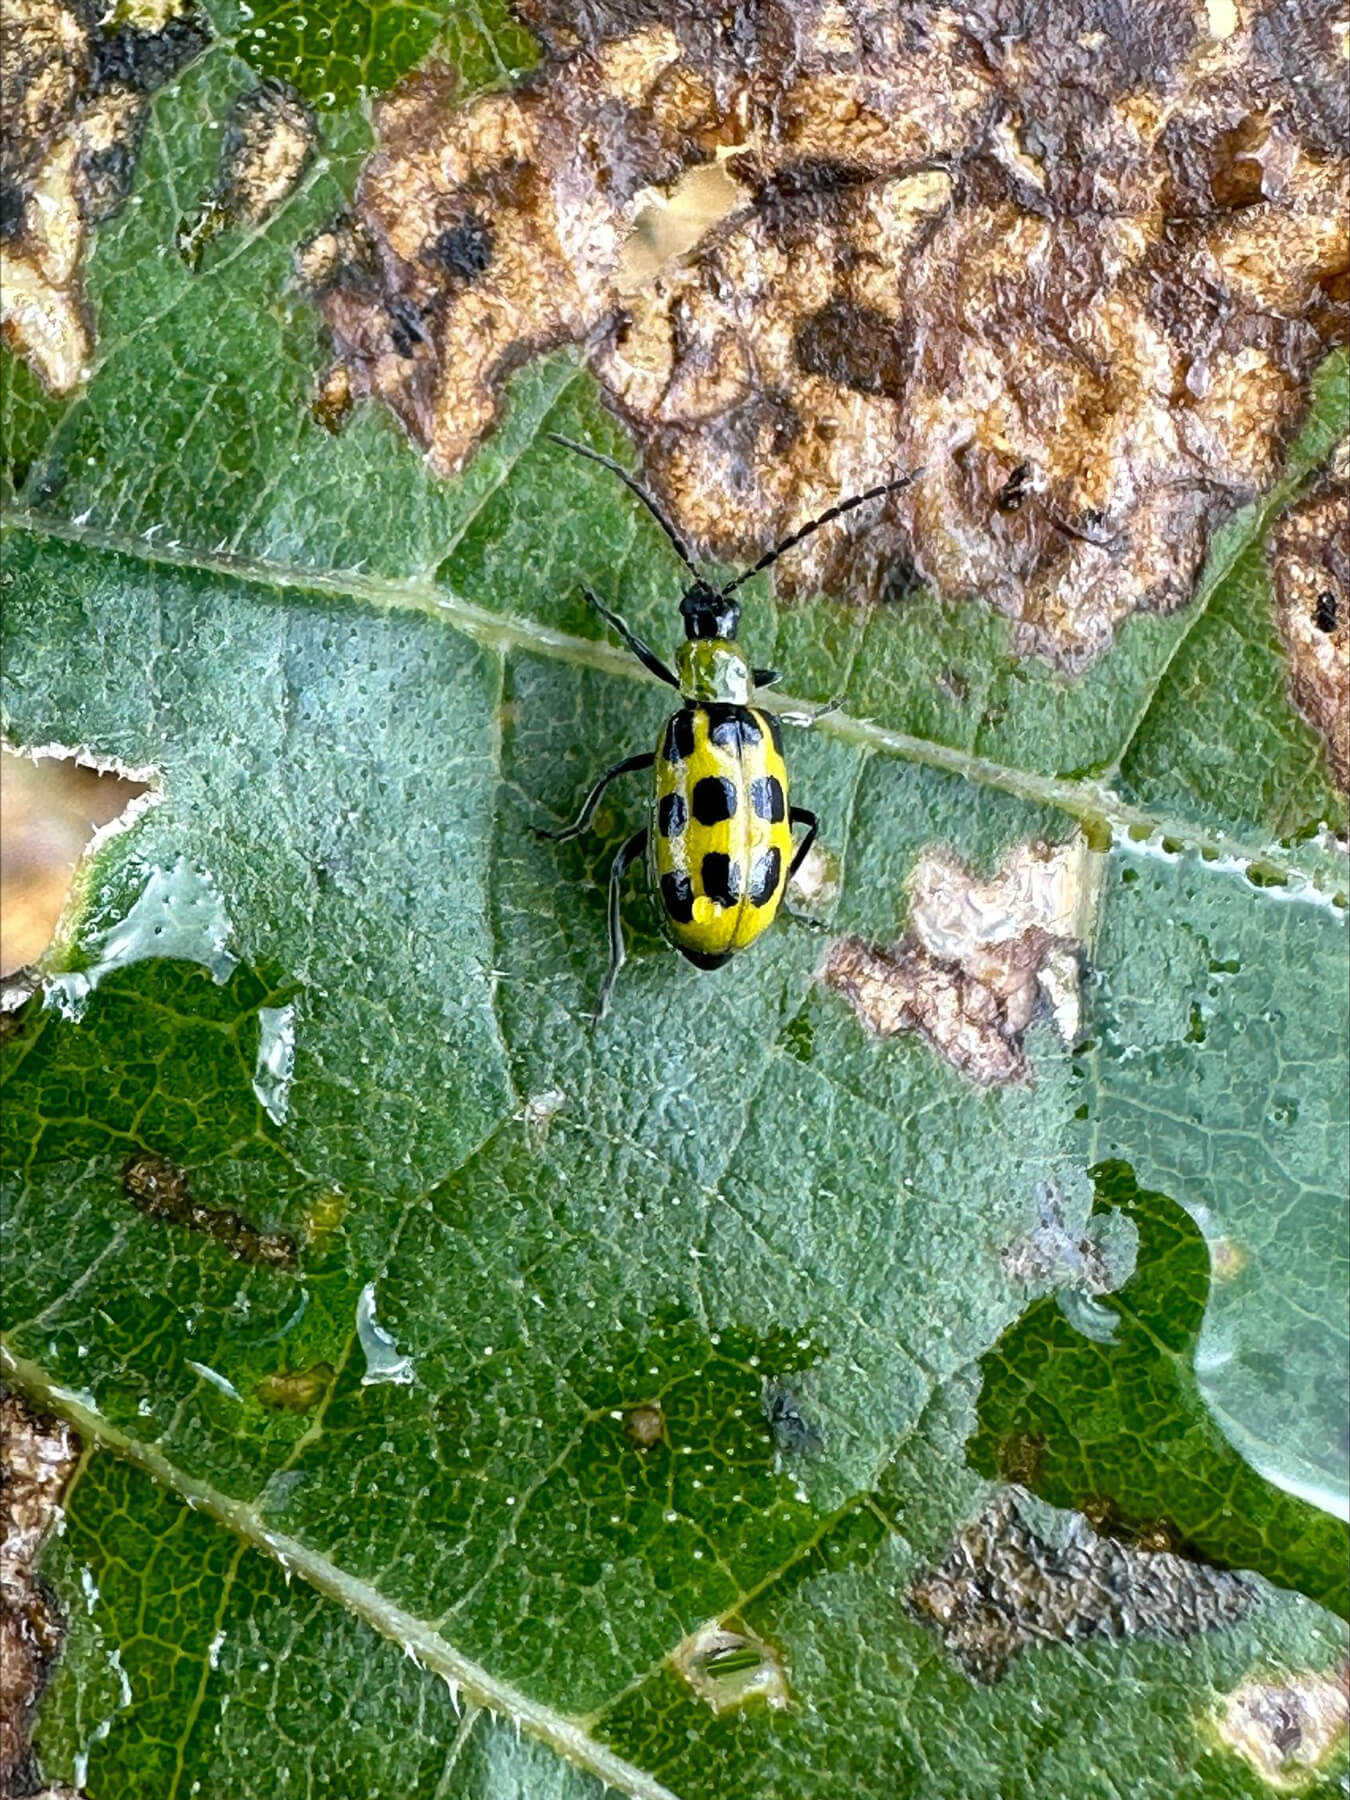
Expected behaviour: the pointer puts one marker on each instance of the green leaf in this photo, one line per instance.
(540, 1353)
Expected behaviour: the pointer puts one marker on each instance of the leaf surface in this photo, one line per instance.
(535, 1350)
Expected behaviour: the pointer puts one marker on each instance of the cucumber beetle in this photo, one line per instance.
(718, 841)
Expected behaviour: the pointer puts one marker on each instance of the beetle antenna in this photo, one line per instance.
(835, 512)
(634, 486)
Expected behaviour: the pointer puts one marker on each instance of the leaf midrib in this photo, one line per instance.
(1092, 804)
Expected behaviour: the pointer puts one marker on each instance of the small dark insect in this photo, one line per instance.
(1326, 611)
(718, 843)
(1014, 490)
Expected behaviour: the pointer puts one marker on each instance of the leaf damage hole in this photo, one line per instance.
(729, 1668)
(55, 806)
(160, 1189)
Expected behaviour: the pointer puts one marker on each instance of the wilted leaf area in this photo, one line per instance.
(1077, 265)
(76, 89)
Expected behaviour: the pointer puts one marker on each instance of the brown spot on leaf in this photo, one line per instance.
(1310, 551)
(268, 140)
(1078, 265)
(161, 1190)
(1004, 1587)
(979, 957)
(1288, 1726)
(74, 98)
(295, 1390)
(39, 1455)
(645, 1425)
(333, 402)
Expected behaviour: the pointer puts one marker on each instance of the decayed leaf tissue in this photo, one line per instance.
(75, 94)
(1078, 262)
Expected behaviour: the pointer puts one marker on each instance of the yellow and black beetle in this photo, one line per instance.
(718, 840)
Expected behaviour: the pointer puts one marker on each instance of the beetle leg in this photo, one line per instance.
(628, 766)
(647, 657)
(798, 815)
(805, 719)
(626, 857)
(766, 678)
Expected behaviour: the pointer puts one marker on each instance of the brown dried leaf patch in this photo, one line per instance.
(75, 93)
(39, 1456)
(1078, 264)
(980, 958)
(1004, 1586)
(161, 1190)
(268, 140)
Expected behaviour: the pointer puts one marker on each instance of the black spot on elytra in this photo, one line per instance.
(1326, 611)
(775, 732)
(714, 799)
(767, 798)
(677, 896)
(721, 878)
(671, 815)
(679, 739)
(764, 877)
(732, 727)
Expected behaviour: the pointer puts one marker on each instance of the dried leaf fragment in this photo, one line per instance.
(1079, 266)
(979, 958)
